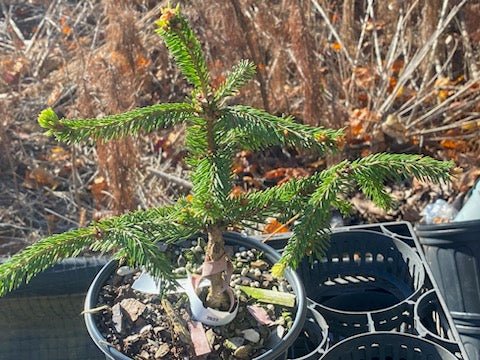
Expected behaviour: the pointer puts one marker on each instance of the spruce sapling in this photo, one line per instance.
(215, 131)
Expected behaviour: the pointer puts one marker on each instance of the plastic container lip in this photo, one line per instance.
(237, 239)
(407, 300)
(471, 330)
(465, 316)
(454, 227)
(387, 232)
(323, 345)
(442, 353)
(421, 299)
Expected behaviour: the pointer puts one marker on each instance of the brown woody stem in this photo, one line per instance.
(217, 297)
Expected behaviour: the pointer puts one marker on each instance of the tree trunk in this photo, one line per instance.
(217, 297)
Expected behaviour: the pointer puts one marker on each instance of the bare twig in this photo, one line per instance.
(334, 32)
(169, 177)
(50, 211)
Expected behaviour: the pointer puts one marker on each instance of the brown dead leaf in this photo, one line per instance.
(274, 226)
(167, 143)
(237, 191)
(65, 28)
(58, 153)
(471, 125)
(40, 177)
(459, 145)
(12, 68)
(97, 188)
(443, 87)
(275, 174)
(337, 47)
(142, 62)
(397, 66)
(217, 81)
(364, 77)
(282, 175)
(360, 122)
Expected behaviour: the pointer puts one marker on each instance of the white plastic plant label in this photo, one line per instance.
(146, 283)
(208, 315)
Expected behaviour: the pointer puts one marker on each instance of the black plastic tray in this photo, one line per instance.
(42, 320)
(404, 232)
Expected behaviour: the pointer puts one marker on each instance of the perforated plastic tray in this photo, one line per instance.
(440, 330)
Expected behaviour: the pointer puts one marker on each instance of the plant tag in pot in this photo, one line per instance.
(146, 283)
(204, 314)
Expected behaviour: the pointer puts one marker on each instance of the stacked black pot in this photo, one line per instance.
(453, 253)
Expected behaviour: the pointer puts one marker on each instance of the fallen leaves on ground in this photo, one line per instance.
(274, 226)
(40, 177)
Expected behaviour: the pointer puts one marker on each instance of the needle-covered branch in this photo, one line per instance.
(212, 184)
(397, 167)
(311, 199)
(185, 48)
(240, 74)
(133, 122)
(134, 235)
(256, 129)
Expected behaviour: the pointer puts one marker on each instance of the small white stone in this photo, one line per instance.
(280, 331)
(251, 335)
(145, 329)
(125, 270)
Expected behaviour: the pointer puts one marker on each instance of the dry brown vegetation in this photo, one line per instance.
(398, 75)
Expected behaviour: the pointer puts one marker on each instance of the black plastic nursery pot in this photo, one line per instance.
(470, 336)
(40, 320)
(431, 322)
(313, 340)
(452, 252)
(468, 327)
(279, 351)
(366, 282)
(387, 346)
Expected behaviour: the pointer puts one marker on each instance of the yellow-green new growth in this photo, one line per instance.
(48, 119)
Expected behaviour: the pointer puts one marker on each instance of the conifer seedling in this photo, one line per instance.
(215, 132)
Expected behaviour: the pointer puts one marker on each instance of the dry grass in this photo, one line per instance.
(356, 64)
